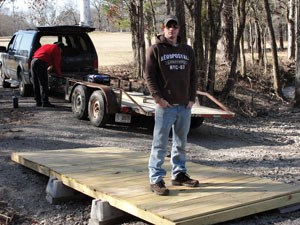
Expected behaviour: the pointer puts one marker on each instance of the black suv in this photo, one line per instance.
(78, 54)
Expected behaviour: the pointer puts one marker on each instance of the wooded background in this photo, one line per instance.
(232, 34)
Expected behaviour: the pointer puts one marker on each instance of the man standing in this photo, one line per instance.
(171, 79)
(44, 57)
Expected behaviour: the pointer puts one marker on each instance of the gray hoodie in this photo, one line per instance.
(170, 71)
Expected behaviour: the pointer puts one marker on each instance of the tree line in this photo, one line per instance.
(222, 32)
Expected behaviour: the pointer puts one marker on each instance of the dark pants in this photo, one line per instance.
(40, 80)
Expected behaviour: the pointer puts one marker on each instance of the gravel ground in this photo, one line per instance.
(263, 146)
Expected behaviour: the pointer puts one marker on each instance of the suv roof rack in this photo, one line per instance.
(65, 28)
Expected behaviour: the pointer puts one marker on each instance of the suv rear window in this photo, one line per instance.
(78, 53)
(73, 43)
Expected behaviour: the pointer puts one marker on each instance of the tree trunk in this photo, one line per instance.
(170, 9)
(85, 13)
(198, 46)
(276, 83)
(260, 55)
(227, 31)
(281, 39)
(291, 30)
(180, 13)
(243, 58)
(138, 39)
(297, 80)
(232, 77)
(251, 42)
(215, 29)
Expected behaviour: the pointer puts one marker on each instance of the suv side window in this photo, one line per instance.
(16, 44)
(10, 44)
(25, 45)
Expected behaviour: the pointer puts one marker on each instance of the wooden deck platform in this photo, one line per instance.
(120, 176)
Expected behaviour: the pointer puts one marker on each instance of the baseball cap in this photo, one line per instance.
(169, 18)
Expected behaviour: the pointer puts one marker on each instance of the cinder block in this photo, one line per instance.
(56, 191)
(102, 212)
(290, 208)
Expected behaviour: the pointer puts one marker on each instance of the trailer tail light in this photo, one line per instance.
(125, 109)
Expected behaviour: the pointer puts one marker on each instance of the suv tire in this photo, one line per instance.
(26, 90)
(4, 83)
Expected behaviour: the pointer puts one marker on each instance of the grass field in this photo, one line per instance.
(112, 48)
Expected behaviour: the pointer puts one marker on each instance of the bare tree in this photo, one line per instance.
(138, 40)
(97, 4)
(291, 29)
(170, 6)
(232, 77)
(227, 31)
(1, 3)
(180, 13)
(214, 15)
(297, 80)
(276, 73)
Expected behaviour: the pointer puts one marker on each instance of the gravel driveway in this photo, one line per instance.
(264, 146)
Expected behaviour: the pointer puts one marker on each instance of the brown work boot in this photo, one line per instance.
(183, 179)
(159, 188)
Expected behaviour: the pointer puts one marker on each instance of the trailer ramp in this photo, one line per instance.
(120, 176)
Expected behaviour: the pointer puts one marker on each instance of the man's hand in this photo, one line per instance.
(190, 104)
(163, 103)
(49, 69)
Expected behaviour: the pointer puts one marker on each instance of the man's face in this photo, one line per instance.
(171, 30)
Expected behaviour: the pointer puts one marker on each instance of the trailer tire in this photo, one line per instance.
(97, 109)
(80, 101)
(196, 122)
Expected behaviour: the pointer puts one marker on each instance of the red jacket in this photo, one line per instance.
(51, 54)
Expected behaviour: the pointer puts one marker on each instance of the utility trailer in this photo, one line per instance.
(102, 103)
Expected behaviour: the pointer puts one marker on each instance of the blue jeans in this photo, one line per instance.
(177, 118)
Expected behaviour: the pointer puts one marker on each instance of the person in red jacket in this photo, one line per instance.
(46, 56)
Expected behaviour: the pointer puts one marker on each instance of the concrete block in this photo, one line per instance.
(290, 208)
(103, 213)
(56, 191)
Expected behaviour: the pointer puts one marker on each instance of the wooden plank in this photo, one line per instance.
(30, 164)
(120, 176)
(242, 211)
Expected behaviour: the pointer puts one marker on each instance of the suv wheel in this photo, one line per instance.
(4, 83)
(25, 89)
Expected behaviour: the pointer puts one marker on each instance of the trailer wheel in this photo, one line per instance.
(196, 122)
(80, 101)
(97, 109)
